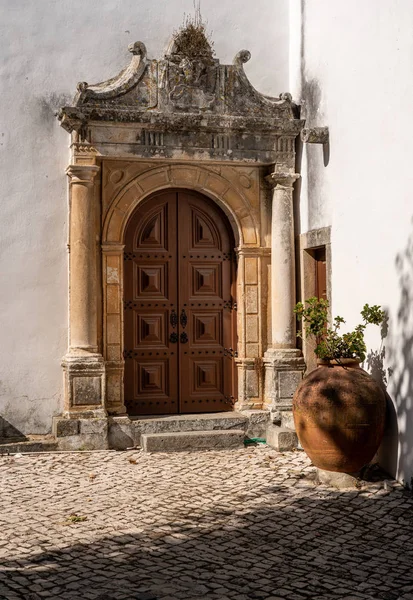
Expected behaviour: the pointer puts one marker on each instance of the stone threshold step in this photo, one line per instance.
(190, 422)
(38, 444)
(192, 440)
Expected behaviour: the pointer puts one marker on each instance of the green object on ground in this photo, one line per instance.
(257, 440)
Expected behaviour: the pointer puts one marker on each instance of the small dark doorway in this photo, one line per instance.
(179, 298)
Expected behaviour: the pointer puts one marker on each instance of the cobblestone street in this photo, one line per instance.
(234, 524)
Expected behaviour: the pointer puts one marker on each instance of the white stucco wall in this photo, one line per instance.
(356, 76)
(47, 46)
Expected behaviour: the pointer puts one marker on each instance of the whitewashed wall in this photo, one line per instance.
(356, 77)
(47, 46)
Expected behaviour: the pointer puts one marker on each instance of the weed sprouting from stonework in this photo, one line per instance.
(192, 39)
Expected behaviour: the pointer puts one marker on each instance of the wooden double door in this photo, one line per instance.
(179, 307)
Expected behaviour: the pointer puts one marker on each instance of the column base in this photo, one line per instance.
(284, 370)
(84, 382)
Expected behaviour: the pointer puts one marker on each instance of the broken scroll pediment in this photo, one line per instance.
(187, 79)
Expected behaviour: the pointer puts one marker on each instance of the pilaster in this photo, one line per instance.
(112, 264)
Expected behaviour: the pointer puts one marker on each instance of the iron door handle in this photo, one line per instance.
(173, 319)
(183, 319)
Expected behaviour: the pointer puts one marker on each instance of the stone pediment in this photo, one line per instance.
(187, 90)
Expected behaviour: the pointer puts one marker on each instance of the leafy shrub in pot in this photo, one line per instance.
(339, 410)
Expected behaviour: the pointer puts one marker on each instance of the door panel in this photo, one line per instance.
(150, 291)
(204, 250)
(179, 319)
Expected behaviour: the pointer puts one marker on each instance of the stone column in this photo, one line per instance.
(284, 365)
(83, 366)
(83, 323)
(282, 262)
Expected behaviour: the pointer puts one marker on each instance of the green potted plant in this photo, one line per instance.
(339, 409)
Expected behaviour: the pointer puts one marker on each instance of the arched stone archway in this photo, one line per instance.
(125, 188)
(226, 193)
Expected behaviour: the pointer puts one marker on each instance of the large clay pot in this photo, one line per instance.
(339, 412)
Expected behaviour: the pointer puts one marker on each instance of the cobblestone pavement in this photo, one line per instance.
(235, 524)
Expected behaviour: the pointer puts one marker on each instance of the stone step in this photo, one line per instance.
(33, 444)
(195, 422)
(126, 432)
(192, 440)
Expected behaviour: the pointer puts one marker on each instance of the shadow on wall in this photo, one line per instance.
(10, 433)
(396, 451)
(387, 454)
(311, 97)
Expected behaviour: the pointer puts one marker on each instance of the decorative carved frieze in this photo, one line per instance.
(185, 104)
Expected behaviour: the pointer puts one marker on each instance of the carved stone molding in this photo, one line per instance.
(183, 101)
(315, 135)
(122, 84)
(82, 174)
(282, 178)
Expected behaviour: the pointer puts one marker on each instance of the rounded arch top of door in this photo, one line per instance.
(179, 296)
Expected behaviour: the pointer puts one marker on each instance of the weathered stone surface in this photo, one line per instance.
(192, 440)
(281, 438)
(289, 382)
(121, 433)
(198, 422)
(315, 135)
(125, 433)
(84, 375)
(185, 105)
(63, 427)
(287, 419)
(91, 434)
(258, 421)
(284, 369)
(94, 426)
(338, 480)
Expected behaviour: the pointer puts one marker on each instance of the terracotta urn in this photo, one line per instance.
(339, 414)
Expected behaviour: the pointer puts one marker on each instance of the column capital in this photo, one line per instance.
(83, 174)
(284, 179)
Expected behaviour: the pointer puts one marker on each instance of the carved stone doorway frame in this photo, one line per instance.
(221, 185)
(211, 132)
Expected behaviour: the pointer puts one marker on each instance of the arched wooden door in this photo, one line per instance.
(179, 320)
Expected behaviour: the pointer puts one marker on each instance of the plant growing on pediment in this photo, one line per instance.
(192, 39)
(330, 344)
